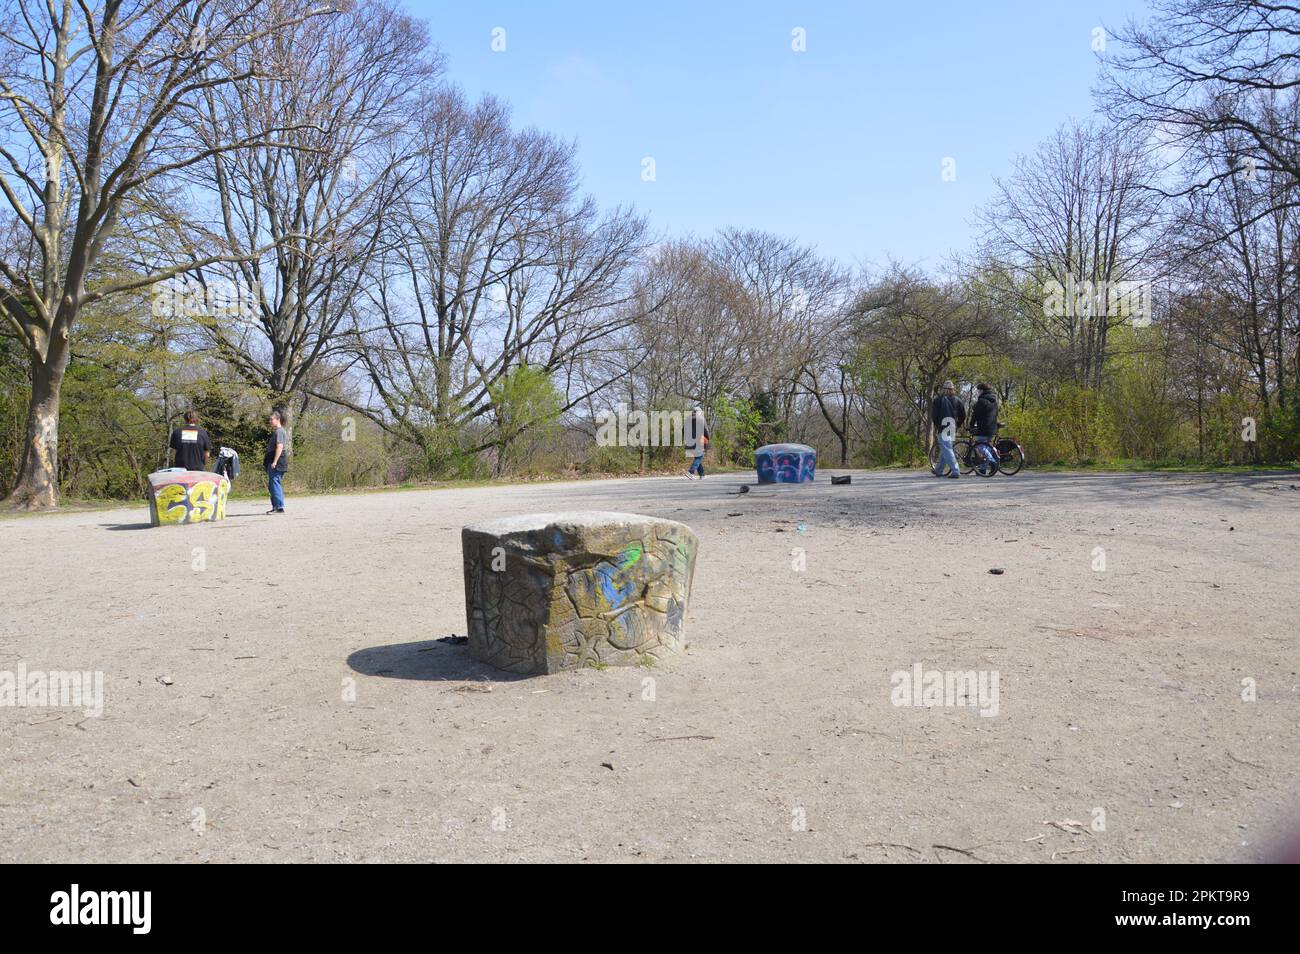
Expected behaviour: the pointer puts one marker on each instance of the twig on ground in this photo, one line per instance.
(1244, 762)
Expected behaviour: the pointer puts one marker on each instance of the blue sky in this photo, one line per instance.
(841, 145)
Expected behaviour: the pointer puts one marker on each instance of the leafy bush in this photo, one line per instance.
(526, 407)
(734, 431)
(1068, 427)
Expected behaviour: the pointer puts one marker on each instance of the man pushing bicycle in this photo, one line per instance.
(984, 427)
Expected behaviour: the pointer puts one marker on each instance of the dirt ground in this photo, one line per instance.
(228, 652)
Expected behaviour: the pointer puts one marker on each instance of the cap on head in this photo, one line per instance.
(949, 386)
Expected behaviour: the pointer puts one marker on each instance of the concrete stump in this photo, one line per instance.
(186, 496)
(785, 463)
(552, 591)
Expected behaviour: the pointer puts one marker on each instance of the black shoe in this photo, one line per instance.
(953, 476)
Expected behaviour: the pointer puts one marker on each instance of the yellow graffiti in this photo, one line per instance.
(200, 502)
(171, 504)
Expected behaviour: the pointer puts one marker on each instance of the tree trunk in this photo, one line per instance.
(844, 420)
(37, 487)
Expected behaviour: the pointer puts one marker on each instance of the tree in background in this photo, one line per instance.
(300, 217)
(526, 408)
(91, 119)
(910, 330)
(490, 262)
(1077, 219)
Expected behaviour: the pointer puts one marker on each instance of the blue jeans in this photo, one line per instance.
(697, 466)
(984, 448)
(273, 478)
(947, 459)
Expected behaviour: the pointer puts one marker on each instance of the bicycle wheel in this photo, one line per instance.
(1010, 457)
(964, 451)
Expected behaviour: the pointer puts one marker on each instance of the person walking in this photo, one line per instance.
(190, 444)
(984, 427)
(696, 440)
(947, 414)
(276, 460)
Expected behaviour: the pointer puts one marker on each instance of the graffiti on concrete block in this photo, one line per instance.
(180, 496)
(785, 463)
(577, 590)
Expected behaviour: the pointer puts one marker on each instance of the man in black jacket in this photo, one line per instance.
(984, 425)
(947, 413)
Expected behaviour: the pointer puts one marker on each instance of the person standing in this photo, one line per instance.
(191, 444)
(276, 460)
(984, 426)
(696, 440)
(947, 413)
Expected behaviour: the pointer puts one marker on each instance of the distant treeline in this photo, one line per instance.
(288, 204)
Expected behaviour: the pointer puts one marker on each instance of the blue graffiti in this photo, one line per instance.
(785, 463)
(616, 586)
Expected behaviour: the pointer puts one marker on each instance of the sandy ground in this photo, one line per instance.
(1120, 733)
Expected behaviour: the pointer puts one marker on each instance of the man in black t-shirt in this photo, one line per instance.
(191, 444)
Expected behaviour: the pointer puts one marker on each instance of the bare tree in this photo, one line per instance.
(794, 305)
(1076, 220)
(748, 316)
(1215, 83)
(915, 327)
(315, 199)
(698, 346)
(490, 263)
(1237, 248)
(93, 99)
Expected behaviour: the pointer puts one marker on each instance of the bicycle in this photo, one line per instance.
(1010, 456)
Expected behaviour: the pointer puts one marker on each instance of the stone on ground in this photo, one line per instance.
(180, 496)
(552, 591)
(785, 463)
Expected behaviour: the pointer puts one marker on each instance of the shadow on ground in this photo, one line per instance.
(428, 660)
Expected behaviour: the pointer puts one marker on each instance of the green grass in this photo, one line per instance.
(1127, 465)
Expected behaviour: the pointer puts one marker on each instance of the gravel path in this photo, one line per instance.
(231, 654)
